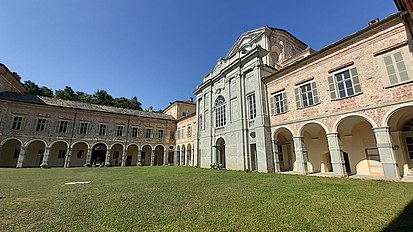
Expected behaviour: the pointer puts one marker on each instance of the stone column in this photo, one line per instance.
(182, 157)
(68, 157)
(214, 154)
(153, 157)
(165, 156)
(336, 155)
(139, 161)
(89, 156)
(124, 154)
(300, 155)
(176, 155)
(185, 157)
(107, 158)
(386, 152)
(22, 156)
(46, 153)
(277, 167)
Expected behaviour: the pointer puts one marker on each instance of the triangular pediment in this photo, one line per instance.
(246, 40)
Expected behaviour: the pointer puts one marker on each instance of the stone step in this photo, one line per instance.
(407, 178)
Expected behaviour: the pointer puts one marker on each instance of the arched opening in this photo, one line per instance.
(171, 155)
(285, 147)
(57, 154)
(34, 155)
(116, 155)
(220, 152)
(318, 154)
(189, 155)
(98, 154)
(358, 141)
(159, 153)
(183, 159)
(146, 155)
(132, 157)
(401, 132)
(79, 153)
(10, 153)
(178, 155)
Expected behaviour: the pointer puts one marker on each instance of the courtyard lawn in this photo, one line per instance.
(185, 198)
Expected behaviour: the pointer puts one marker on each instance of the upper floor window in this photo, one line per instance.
(148, 133)
(184, 114)
(102, 129)
(252, 107)
(119, 130)
(306, 95)
(220, 118)
(172, 135)
(83, 128)
(160, 134)
(134, 132)
(279, 103)
(63, 125)
(344, 84)
(189, 131)
(41, 124)
(17, 123)
(178, 134)
(396, 69)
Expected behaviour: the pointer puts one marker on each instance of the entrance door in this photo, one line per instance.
(129, 160)
(347, 162)
(253, 149)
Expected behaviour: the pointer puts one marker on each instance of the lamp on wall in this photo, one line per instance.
(396, 147)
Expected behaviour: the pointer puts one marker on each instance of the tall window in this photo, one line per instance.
(17, 123)
(83, 128)
(63, 126)
(41, 124)
(306, 95)
(220, 119)
(134, 132)
(148, 133)
(119, 131)
(200, 122)
(189, 131)
(344, 84)
(279, 103)
(252, 107)
(178, 134)
(160, 134)
(172, 135)
(396, 69)
(102, 129)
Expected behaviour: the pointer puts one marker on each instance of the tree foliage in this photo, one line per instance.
(100, 97)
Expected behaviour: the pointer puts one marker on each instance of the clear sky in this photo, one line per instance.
(157, 50)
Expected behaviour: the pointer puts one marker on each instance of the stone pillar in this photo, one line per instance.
(277, 167)
(193, 157)
(386, 152)
(68, 157)
(176, 155)
(165, 156)
(107, 158)
(89, 156)
(139, 161)
(22, 156)
(336, 155)
(153, 157)
(124, 154)
(185, 157)
(46, 153)
(214, 154)
(300, 155)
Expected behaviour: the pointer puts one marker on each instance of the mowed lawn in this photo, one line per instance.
(185, 198)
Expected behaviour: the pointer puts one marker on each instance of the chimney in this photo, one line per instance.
(376, 20)
(191, 99)
(150, 109)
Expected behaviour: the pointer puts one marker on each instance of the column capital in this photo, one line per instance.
(381, 129)
(332, 134)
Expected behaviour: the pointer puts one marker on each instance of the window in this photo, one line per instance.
(16, 153)
(344, 84)
(252, 107)
(102, 129)
(189, 131)
(61, 154)
(172, 135)
(116, 154)
(80, 154)
(396, 69)
(220, 119)
(135, 132)
(83, 128)
(119, 131)
(178, 136)
(63, 126)
(306, 95)
(279, 103)
(183, 133)
(184, 114)
(160, 134)
(41, 124)
(148, 133)
(17, 123)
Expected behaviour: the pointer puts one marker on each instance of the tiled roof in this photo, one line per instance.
(39, 100)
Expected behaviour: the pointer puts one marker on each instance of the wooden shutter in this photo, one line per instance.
(297, 97)
(356, 80)
(401, 67)
(284, 96)
(315, 92)
(272, 105)
(391, 70)
(56, 126)
(332, 87)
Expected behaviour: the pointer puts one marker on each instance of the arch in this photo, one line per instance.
(57, 141)
(132, 154)
(79, 153)
(87, 144)
(146, 154)
(35, 153)
(35, 140)
(284, 149)
(394, 110)
(116, 154)
(10, 151)
(159, 154)
(11, 138)
(116, 144)
(132, 144)
(220, 152)
(58, 152)
(344, 117)
(280, 129)
(302, 127)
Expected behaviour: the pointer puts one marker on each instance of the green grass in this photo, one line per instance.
(184, 198)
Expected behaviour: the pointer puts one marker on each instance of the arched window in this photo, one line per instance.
(220, 119)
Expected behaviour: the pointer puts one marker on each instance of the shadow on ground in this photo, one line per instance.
(404, 222)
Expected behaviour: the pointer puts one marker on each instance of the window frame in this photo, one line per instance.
(83, 128)
(251, 106)
(280, 104)
(120, 130)
(354, 77)
(17, 125)
(220, 112)
(63, 126)
(41, 124)
(306, 93)
(385, 70)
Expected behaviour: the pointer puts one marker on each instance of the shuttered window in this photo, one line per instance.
(344, 84)
(278, 103)
(396, 69)
(306, 95)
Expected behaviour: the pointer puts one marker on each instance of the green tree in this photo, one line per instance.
(66, 94)
(101, 97)
(134, 104)
(84, 97)
(122, 102)
(34, 89)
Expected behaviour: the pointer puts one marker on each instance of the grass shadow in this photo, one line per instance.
(404, 222)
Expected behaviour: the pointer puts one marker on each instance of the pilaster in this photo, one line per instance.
(152, 157)
(139, 161)
(300, 155)
(275, 155)
(22, 157)
(89, 155)
(107, 158)
(386, 153)
(123, 161)
(336, 154)
(68, 157)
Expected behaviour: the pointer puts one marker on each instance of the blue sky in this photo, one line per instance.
(157, 50)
